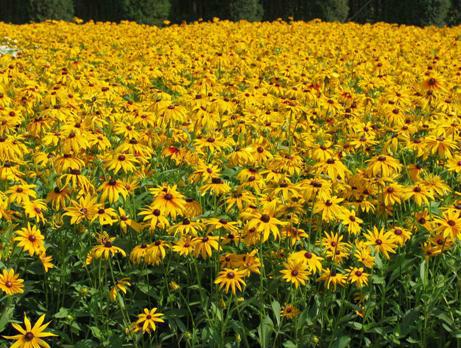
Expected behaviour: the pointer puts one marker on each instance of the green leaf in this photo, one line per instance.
(7, 314)
(96, 332)
(63, 313)
(264, 331)
(376, 279)
(217, 313)
(341, 342)
(276, 309)
(289, 344)
(407, 321)
(423, 273)
(356, 325)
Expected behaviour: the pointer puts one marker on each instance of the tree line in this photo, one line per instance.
(417, 12)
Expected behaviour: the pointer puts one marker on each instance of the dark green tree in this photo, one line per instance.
(12, 11)
(454, 15)
(433, 12)
(251, 10)
(333, 10)
(101, 10)
(39, 10)
(146, 11)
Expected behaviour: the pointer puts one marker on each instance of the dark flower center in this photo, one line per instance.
(216, 181)
(358, 273)
(265, 218)
(451, 222)
(29, 336)
(107, 244)
(168, 196)
(379, 241)
(8, 284)
(294, 273)
(32, 238)
(230, 275)
(398, 232)
(156, 212)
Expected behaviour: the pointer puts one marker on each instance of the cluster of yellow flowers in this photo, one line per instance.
(320, 146)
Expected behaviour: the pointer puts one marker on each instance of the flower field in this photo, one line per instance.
(220, 184)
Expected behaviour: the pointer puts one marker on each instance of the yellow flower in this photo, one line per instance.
(295, 272)
(168, 200)
(47, 261)
(330, 209)
(30, 240)
(10, 282)
(204, 246)
(120, 286)
(357, 276)
(31, 336)
(289, 311)
(266, 224)
(34, 209)
(231, 278)
(313, 262)
(382, 242)
(106, 249)
(147, 321)
(332, 278)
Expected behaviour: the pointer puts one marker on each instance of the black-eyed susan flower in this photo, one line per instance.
(106, 249)
(148, 320)
(10, 283)
(31, 336)
(289, 311)
(381, 241)
(295, 272)
(30, 239)
(357, 276)
(231, 278)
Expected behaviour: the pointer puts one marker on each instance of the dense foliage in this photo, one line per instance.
(416, 12)
(230, 184)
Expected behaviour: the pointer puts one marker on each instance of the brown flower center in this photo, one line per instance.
(265, 218)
